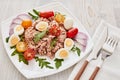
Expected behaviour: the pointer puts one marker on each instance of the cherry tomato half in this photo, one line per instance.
(29, 54)
(72, 33)
(54, 30)
(46, 14)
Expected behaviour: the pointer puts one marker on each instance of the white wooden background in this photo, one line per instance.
(89, 12)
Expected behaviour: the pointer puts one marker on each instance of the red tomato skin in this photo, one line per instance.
(29, 54)
(72, 33)
(46, 14)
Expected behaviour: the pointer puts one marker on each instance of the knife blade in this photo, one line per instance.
(96, 36)
(98, 45)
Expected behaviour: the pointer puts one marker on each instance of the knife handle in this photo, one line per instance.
(79, 74)
(94, 73)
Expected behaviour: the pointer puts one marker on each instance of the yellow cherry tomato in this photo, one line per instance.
(21, 46)
(59, 18)
(26, 23)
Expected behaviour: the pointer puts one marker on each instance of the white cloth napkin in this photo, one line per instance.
(111, 68)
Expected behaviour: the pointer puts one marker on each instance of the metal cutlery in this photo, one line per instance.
(93, 54)
(106, 51)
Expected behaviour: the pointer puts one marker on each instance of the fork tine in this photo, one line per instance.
(110, 40)
(107, 39)
(115, 44)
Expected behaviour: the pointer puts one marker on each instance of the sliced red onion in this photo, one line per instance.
(82, 42)
(11, 31)
(82, 47)
(81, 35)
(23, 16)
(13, 25)
(81, 39)
(17, 21)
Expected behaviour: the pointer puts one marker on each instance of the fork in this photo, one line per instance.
(106, 51)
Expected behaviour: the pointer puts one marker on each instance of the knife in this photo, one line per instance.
(98, 45)
(93, 54)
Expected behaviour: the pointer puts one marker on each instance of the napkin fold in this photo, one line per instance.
(111, 67)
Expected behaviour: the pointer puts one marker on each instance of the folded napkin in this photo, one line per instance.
(110, 69)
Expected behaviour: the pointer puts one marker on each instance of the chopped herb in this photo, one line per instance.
(53, 42)
(33, 16)
(21, 37)
(47, 31)
(7, 39)
(36, 12)
(38, 36)
(74, 48)
(43, 63)
(58, 62)
(21, 57)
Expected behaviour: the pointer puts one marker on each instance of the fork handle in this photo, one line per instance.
(79, 74)
(94, 73)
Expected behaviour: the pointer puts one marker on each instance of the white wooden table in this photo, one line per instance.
(89, 12)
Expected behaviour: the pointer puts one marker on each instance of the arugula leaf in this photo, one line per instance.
(74, 48)
(49, 67)
(14, 53)
(43, 63)
(78, 51)
(53, 42)
(36, 12)
(13, 47)
(7, 39)
(58, 62)
(38, 36)
(21, 57)
(33, 16)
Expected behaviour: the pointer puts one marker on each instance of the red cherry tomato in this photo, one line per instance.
(72, 33)
(54, 30)
(29, 54)
(46, 14)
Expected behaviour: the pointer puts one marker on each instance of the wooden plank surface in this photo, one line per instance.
(89, 12)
